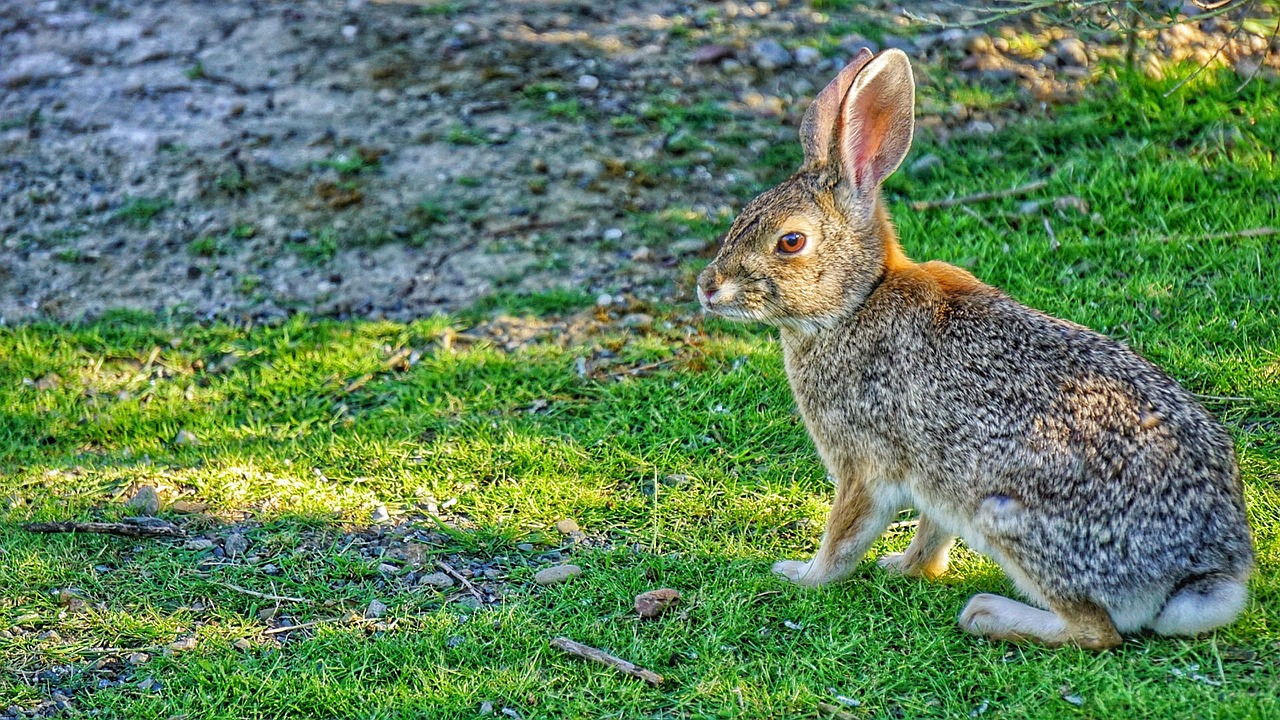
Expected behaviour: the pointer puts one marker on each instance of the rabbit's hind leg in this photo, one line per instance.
(1199, 606)
(928, 554)
(1082, 624)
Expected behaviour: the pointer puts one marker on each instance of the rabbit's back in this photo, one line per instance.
(1004, 422)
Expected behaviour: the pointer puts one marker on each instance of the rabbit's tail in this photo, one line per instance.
(1201, 604)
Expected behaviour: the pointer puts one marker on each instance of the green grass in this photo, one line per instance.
(693, 474)
(141, 211)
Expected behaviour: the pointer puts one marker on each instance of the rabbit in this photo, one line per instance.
(1106, 493)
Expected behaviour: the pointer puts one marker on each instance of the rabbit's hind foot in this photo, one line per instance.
(999, 618)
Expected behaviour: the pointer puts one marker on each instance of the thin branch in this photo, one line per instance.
(300, 626)
(1230, 235)
(587, 652)
(458, 576)
(980, 197)
(264, 596)
(144, 527)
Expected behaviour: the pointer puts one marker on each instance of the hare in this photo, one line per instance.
(1108, 495)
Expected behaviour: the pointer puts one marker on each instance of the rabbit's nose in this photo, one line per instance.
(709, 282)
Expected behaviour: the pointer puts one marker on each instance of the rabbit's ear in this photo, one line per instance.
(820, 120)
(877, 121)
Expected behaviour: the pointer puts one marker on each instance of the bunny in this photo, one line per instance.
(1108, 495)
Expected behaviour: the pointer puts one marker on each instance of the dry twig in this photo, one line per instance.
(300, 626)
(264, 596)
(979, 197)
(589, 653)
(130, 527)
(458, 576)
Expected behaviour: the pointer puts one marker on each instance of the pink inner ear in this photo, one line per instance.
(877, 122)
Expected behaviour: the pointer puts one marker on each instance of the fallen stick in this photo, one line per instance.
(264, 596)
(300, 626)
(1231, 235)
(980, 197)
(458, 576)
(589, 653)
(131, 527)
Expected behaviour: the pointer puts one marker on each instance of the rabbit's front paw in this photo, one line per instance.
(797, 571)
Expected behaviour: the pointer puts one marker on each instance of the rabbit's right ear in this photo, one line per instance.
(821, 119)
(877, 121)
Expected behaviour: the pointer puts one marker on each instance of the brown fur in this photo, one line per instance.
(1109, 496)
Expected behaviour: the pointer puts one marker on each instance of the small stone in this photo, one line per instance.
(769, 54)
(267, 614)
(981, 127)
(925, 166)
(556, 574)
(1072, 52)
(351, 616)
(564, 527)
(183, 644)
(235, 545)
(436, 580)
(653, 603)
(386, 96)
(186, 437)
(709, 54)
(525, 547)
(197, 544)
(463, 29)
(637, 320)
(1029, 207)
(688, 246)
(376, 609)
(486, 708)
(806, 55)
(138, 658)
(242, 644)
(349, 32)
(604, 300)
(388, 569)
(380, 514)
(642, 254)
(853, 44)
(588, 82)
(146, 500)
(613, 234)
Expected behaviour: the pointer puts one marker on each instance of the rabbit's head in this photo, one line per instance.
(810, 251)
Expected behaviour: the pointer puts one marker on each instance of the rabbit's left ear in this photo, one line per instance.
(877, 121)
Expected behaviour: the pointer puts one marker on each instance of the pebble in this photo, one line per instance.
(688, 246)
(463, 29)
(376, 609)
(198, 544)
(186, 437)
(604, 300)
(981, 127)
(1072, 52)
(388, 569)
(146, 500)
(567, 526)
(708, 54)
(436, 580)
(653, 603)
(637, 320)
(853, 44)
(1029, 207)
(188, 643)
(925, 166)
(613, 234)
(525, 547)
(349, 32)
(769, 54)
(588, 82)
(806, 55)
(235, 545)
(380, 514)
(242, 644)
(642, 254)
(556, 574)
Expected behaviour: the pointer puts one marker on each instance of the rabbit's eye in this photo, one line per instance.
(791, 243)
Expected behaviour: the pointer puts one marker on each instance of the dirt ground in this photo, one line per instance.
(246, 159)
